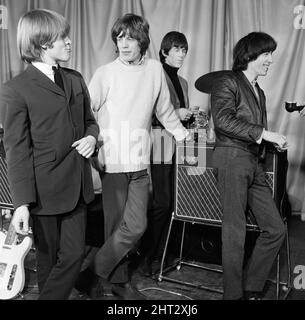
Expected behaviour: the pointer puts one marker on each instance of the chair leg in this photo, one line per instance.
(165, 248)
(181, 245)
(286, 284)
(278, 277)
(288, 260)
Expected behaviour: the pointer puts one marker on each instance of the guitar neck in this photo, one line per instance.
(11, 236)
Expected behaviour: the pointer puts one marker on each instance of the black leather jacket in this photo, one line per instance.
(239, 116)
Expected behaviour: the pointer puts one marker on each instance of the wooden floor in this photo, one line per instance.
(154, 289)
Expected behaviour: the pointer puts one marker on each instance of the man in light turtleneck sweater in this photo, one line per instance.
(126, 93)
(172, 53)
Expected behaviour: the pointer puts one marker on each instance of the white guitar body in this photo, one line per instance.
(12, 276)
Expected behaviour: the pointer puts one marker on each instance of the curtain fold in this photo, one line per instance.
(212, 28)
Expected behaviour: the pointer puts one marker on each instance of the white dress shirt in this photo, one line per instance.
(45, 69)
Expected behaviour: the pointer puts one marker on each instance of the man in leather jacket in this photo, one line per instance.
(239, 114)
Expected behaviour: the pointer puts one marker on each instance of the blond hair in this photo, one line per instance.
(38, 28)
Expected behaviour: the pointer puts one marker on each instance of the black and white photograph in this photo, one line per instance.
(152, 153)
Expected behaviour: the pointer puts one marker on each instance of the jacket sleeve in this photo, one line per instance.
(166, 114)
(98, 89)
(185, 90)
(224, 107)
(91, 126)
(18, 147)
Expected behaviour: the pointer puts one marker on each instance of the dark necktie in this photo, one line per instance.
(58, 78)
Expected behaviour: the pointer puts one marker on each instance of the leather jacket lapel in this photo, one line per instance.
(259, 100)
(249, 86)
(262, 105)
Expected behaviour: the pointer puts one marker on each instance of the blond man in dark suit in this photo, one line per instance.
(49, 134)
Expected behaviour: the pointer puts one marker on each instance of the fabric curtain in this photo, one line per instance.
(212, 28)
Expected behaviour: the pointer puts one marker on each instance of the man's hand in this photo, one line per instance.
(188, 137)
(184, 114)
(20, 220)
(85, 146)
(278, 139)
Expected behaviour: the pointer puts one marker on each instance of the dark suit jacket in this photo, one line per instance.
(41, 122)
(239, 115)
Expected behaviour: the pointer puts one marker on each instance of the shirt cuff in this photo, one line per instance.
(181, 134)
(259, 141)
(23, 205)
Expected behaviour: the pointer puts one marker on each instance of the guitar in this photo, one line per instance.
(12, 255)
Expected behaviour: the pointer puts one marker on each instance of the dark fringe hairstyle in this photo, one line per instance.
(135, 26)
(250, 47)
(170, 40)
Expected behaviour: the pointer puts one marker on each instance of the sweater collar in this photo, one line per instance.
(171, 71)
(141, 61)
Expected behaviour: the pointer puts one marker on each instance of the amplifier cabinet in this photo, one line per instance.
(5, 195)
(197, 197)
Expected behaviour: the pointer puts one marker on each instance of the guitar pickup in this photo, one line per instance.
(12, 277)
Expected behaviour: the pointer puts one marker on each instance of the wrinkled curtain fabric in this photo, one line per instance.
(212, 28)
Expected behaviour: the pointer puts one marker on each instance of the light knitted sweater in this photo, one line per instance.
(124, 98)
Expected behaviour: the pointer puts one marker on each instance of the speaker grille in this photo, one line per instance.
(197, 194)
(5, 195)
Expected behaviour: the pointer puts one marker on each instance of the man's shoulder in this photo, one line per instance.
(72, 72)
(182, 80)
(227, 75)
(154, 67)
(19, 81)
(227, 78)
(154, 63)
(107, 66)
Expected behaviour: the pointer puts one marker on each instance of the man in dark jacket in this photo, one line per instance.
(173, 50)
(49, 134)
(239, 114)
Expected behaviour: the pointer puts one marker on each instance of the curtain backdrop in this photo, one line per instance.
(212, 27)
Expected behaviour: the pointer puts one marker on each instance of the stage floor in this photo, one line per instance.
(166, 290)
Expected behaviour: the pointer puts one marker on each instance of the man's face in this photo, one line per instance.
(60, 51)
(129, 49)
(261, 65)
(175, 57)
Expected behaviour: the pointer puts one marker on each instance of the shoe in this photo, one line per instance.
(252, 295)
(100, 288)
(127, 292)
(146, 268)
(84, 281)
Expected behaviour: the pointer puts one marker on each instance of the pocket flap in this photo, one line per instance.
(45, 157)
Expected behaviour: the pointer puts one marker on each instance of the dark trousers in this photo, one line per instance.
(60, 244)
(242, 182)
(125, 199)
(162, 176)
